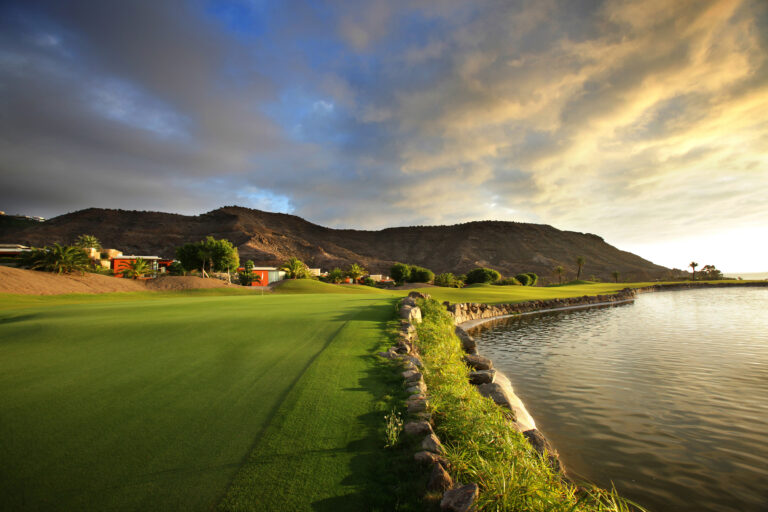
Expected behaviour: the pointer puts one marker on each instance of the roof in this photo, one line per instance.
(124, 257)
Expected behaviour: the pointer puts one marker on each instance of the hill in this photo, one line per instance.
(270, 238)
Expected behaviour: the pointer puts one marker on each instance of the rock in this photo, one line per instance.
(417, 406)
(418, 387)
(419, 295)
(467, 341)
(403, 347)
(415, 359)
(497, 393)
(425, 457)
(417, 428)
(411, 313)
(439, 480)
(422, 416)
(409, 366)
(478, 362)
(541, 445)
(408, 301)
(482, 377)
(460, 499)
(432, 444)
(412, 376)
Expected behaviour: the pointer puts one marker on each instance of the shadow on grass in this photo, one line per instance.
(383, 478)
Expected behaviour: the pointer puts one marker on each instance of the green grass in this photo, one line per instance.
(305, 286)
(481, 444)
(185, 401)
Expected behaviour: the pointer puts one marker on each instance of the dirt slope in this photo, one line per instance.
(31, 282)
(271, 238)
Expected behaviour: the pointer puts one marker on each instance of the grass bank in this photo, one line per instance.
(481, 444)
(197, 400)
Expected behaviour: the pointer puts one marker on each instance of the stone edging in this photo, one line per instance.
(456, 497)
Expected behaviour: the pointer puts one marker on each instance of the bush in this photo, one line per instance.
(524, 279)
(534, 278)
(367, 281)
(421, 275)
(176, 269)
(510, 281)
(400, 272)
(447, 280)
(482, 275)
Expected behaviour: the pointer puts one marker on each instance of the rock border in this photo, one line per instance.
(456, 497)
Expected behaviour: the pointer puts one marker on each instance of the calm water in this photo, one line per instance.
(666, 397)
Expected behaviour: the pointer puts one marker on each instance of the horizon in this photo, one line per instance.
(726, 273)
(636, 121)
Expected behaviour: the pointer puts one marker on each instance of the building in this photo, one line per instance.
(156, 263)
(266, 275)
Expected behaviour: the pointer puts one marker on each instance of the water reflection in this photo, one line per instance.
(665, 397)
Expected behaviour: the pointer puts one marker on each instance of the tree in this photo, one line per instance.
(710, 272)
(62, 259)
(355, 272)
(249, 266)
(400, 272)
(294, 268)
(580, 262)
(247, 278)
(135, 269)
(559, 271)
(482, 275)
(176, 269)
(336, 275)
(693, 266)
(218, 255)
(615, 275)
(87, 241)
(420, 275)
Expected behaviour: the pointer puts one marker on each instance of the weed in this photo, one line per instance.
(394, 425)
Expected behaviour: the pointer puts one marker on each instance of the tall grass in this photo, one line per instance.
(481, 443)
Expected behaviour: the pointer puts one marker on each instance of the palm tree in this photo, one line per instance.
(356, 272)
(135, 269)
(206, 256)
(62, 259)
(580, 262)
(559, 271)
(87, 241)
(295, 268)
(615, 275)
(693, 265)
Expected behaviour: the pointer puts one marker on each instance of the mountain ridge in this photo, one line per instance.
(270, 238)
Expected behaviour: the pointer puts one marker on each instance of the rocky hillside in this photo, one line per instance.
(270, 238)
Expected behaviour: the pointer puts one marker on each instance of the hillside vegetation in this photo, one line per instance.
(271, 238)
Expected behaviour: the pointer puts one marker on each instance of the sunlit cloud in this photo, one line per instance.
(643, 121)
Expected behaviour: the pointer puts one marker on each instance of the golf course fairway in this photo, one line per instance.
(194, 402)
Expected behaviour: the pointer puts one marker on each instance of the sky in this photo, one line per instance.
(645, 122)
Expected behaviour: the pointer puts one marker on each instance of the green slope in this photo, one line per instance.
(135, 404)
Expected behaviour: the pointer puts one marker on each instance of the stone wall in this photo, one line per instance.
(464, 312)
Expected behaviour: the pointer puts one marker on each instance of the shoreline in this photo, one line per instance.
(528, 423)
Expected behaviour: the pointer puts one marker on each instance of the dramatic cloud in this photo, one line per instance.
(643, 121)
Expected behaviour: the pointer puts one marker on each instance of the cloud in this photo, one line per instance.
(633, 119)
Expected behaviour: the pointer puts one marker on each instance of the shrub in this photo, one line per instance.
(524, 279)
(534, 278)
(367, 281)
(482, 275)
(62, 259)
(447, 280)
(421, 275)
(400, 272)
(176, 269)
(510, 281)
(335, 276)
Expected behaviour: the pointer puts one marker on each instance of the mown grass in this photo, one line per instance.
(481, 444)
(189, 401)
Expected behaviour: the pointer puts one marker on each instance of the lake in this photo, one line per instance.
(666, 397)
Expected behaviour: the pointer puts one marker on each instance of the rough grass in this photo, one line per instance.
(182, 401)
(481, 444)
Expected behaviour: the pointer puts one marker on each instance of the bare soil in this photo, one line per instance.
(32, 282)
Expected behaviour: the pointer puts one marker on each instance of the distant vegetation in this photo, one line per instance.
(87, 241)
(62, 259)
(294, 268)
(135, 269)
(482, 275)
(403, 273)
(217, 255)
